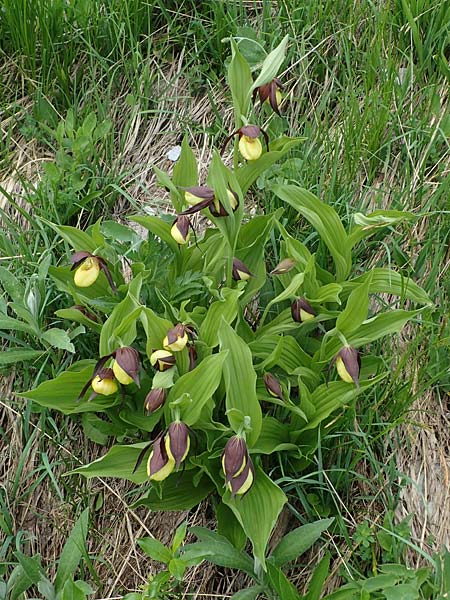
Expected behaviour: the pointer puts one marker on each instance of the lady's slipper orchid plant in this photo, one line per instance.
(250, 145)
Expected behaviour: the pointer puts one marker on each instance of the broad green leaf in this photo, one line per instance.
(366, 225)
(12, 285)
(240, 382)
(177, 568)
(58, 338)
(318, 579)
(185, 169)
(155, 328)
(74, 549)
(120, 327)
(274, 437)
(31, 565)
(178, 493)
(272, 63)
(290, 292)
(154, 549)
(229, 526)
(199, 384)
(325, 220)
(356, 309)
(326, 293)
(240, 83)
(226, 309)
(247, 174)
(218, 550)
(71, 591)
(387, 281)
(119, 462)
(16, 325)
(179, 536)
(140, 420)
(62, 393)
(281, 584)
(328, 398)
(297, 542)
(158, 227)
(18, 583)
(251, 593)
(257, 512)
(165, 181)
(73, 314)
(372, 329)
(14, 355)
(79, 240)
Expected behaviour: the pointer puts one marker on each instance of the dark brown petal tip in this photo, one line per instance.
(273, 386)
(352, 362)
(155, 399)
(178, 434)
(300, 309)
(200, 191)
(251, 131)
(77, 258)
(233, 455)
(128, 359)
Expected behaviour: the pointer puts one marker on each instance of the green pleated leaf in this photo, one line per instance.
(158, 227)
(120, 327)
(58, 338)
(62, 393)
(118, 462)
(325, 220)
(240, 382)
(281, 584)
(217, 549)
(274, 437)
(272, 63)
(155, 549)
(257, 511)
(165, 181)
(387, 281)
(155, 327)
(356, 309)
(326, 293)
(247, 174)
(13, 355)
(298, 541)
(185, 169)
(73, 314)
(226, 309)
(79, 240)
(178, 493)
(199, 385)
(240, 82)
(74, 549)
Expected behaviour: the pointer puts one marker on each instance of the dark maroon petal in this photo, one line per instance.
(273, 386)
(159, 458)
(175, 333)
(182, 223)
(128, 359)
(105, 374)
(97, 369)
(251, 131)
(218, 213)
(77, 258)
(264, 91)
(178, 438)
(107, 272)
(155, 399)
(192, 357)
(84, 311)
(352, 362)
(298, 305)
(238, 265)
(197, 207)
(273, 98)
(201, 191)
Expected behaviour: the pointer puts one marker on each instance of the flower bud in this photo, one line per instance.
(273, 386)
(302, 311)
(218, 210)
(87, 269)
(176, 338)
(177, 442)
(348, 364)
(126, 365)
(104, 383)
(180, 229)
(159, 465)
(237, 466)
(271, 92)
(284, 266)
(155, 399)
(162, 360)
(240, 271)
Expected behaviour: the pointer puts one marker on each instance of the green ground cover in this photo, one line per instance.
(96, 93)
